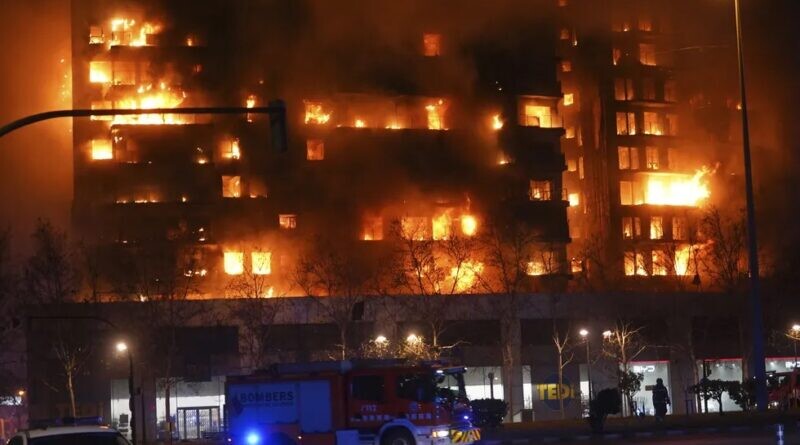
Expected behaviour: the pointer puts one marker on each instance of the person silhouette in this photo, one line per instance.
(660, 399)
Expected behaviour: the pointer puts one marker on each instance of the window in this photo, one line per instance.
(373, 228)
(231, 186)
(656, 227)
(648, 89)
(678, 228)
(287, 221)
(537, 116)
(419, 388)
(315, 150)
(231, 150)
(660, 262)
(651, 154)
(124, 73)
(626, 123)
(99, 72)
(569, 99)
(628, 158)
(367, 388)
(652, 124)
(645, 24)
(672, 124)
(572, 165)
(261, 263)
(566, 66)
(565, 34)
(415, 228)
(96, 35)
(623, 89)
(257, 188)
(569, 132)
(616, 55)
(647, 54)
(670, 91)
(626, 193)
(634, 264)
(574, 199)
(631, 227)
(315, 113)
(233, 263)
(435, 115)
(432, 44)
(580, 167)
(539, 190)
(102, 149)
(672, 160)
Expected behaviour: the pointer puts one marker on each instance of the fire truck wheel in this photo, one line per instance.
(397, 436)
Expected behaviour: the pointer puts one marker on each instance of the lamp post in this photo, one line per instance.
(794, 334)
(759, 368)
(585, 336)
(122, 347)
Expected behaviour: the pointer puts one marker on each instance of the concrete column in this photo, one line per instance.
(511, 346)
(147, 399)
(681, 369)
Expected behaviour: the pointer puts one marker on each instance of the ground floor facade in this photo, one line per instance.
(179, 373)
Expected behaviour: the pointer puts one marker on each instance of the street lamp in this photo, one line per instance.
(123, 347)
(412, 338)
(794, 334)
(759, 367)
(380, 339)
(607, 335)
(585, 336)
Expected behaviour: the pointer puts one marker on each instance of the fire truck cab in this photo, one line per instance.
(785, 392)
(349, 403)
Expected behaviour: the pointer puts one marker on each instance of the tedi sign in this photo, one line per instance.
(551, 393)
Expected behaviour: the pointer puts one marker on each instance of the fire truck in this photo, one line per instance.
(376, 402)
(785, 390)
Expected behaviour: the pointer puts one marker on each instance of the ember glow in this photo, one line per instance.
(466, 276)
(127, 32)
(436, 115)
(676, 189)
(497, 122)
(442, 226)
(149, 97)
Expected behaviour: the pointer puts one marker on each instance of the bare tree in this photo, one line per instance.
(51, 273)
(337, 279)
(429, 271)
(256, 307)
(563, 345)
(73, 352)
(10, 308)
(724, 255)
(624, 344)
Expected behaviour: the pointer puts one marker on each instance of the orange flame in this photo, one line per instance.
(676, 189)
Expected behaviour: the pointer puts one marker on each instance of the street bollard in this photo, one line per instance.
(779, 434)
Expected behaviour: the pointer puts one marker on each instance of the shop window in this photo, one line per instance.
(287, 221)
(626, 123)
(315, 150)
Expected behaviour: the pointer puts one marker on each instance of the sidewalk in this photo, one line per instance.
(641, 428)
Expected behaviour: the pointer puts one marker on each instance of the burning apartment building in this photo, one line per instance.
(451, 177)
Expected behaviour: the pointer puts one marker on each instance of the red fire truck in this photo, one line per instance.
(785, 390)
(349, 403)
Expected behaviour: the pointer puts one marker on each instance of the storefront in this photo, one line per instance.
(651, 372)
(196, 408)
(721, 369)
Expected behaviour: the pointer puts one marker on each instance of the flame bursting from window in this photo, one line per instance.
(233, 262)
(316, 114)
(436, 115)
(126, 32)
(497, 122)
(147, 98)
(676, 189)
(469, 225)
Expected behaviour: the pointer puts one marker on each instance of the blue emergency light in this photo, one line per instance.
(252, 438)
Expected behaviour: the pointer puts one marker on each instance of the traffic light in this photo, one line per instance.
(277, 125)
